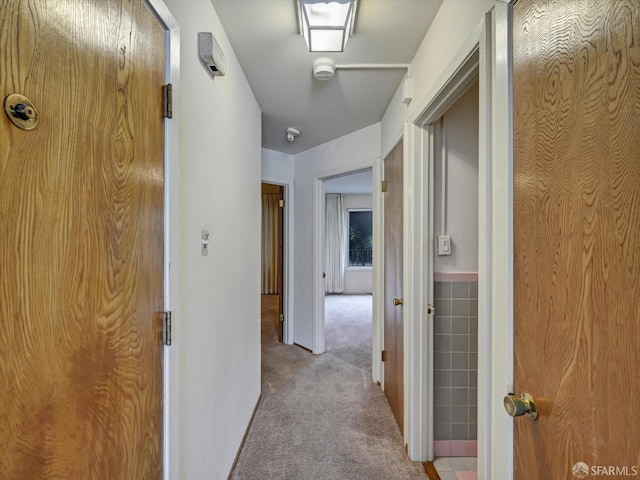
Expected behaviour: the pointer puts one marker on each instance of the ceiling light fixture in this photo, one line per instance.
(326, 25)
(324, 68)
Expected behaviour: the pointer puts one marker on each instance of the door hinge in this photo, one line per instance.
(383, 186)
(281, 203)
(167, 100)
(384, 356)
(282, 317)
(166, 328)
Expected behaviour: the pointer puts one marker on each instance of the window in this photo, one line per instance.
(360, 238)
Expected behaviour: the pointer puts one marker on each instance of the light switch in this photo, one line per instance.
(444, 245)
(204, 243)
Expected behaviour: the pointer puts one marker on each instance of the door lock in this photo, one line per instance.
(21, 111)
(525, 405)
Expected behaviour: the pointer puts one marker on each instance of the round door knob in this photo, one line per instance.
(525, 405)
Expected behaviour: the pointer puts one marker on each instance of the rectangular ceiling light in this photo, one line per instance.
(326, 25)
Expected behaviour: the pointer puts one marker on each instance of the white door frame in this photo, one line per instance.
(497, 445)
(461, 72)
(318, 248)
(171, 238)
(377, 287)
(486, 53)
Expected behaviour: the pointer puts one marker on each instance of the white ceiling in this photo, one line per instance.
(265, 37)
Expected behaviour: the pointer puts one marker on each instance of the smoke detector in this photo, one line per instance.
(324, 68)
(292, 133)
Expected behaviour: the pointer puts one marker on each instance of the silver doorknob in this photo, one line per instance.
(525, 405)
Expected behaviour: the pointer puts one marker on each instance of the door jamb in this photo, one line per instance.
(461, 72)
(171, 239)
(377, 287)
(473, 60)
(500, 360)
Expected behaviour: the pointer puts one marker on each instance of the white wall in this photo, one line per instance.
(453, 24)
(461, 191)
(358, 279)
(277, 167)
(355, 151)
(218, 329)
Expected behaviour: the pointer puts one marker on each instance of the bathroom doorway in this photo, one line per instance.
(455, 286)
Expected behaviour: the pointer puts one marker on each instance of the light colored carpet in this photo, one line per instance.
(321, 418)
(348, 320)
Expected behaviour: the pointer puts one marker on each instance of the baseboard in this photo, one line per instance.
(244, 437)
(303, 347)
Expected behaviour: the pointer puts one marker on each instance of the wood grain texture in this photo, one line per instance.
(81, 241)
(577, 233)
(393, 317)
(431, 471)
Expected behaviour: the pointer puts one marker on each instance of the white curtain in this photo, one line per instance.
(270, 244)
(336, 241)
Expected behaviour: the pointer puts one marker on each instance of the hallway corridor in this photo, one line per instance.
(320, 418)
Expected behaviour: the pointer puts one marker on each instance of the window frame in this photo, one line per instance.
(348, 229)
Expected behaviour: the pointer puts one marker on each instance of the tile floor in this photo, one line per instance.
(457, 468)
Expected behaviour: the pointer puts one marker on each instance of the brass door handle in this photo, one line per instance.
(397, 301)
(525, 405)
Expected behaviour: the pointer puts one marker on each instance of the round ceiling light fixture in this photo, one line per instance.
(324, 68)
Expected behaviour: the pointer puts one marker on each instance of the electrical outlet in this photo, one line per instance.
(444, 245)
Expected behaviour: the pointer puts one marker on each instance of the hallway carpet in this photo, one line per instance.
(320, 418)
(348, 328)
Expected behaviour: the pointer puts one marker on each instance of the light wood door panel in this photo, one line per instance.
(393, 268)
(81, 241)
(577, 233)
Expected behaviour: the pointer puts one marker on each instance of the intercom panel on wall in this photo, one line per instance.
(211, 54)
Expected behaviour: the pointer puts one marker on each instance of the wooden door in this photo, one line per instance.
(273, 250)
(577, 236)
(393, 318)
(81, 241)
